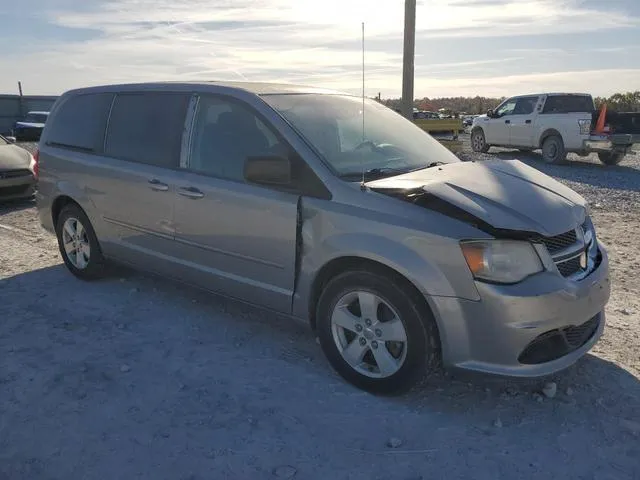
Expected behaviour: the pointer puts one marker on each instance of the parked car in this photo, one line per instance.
(30, 128)
(557, 123)
(398, 254)
(17, 172)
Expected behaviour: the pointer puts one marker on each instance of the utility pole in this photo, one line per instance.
(21, 100)
(408, 58)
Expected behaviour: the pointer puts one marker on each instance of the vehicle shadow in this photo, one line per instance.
(448, 391)
(16, 205)
(619, 177)
(135, 356)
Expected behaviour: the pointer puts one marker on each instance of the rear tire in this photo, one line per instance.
(78, 244)
(479, 142)
(390, 341)
(553, 151)
(611, 158)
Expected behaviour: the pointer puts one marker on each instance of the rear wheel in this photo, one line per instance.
(479, 142)
(78, 244)
(553, 150)
(375, 334)
(611, 158)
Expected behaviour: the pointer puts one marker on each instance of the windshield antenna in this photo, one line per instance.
(362, 185)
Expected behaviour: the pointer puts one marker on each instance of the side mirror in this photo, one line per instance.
(490, 113)
(10, 139)
(268, 170)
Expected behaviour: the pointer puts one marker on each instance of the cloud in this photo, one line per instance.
(302, 41)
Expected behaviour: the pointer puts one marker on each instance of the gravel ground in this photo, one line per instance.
(136, 377)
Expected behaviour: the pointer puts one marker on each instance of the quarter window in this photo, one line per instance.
(80, 122)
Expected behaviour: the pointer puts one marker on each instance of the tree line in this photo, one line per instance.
(621, 102)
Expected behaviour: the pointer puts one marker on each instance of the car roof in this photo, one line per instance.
(257, 88)
(553, 94)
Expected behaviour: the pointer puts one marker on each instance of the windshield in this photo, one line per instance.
(333, 124)
(35, 118)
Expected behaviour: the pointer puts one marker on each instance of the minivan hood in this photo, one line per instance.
(505, 194)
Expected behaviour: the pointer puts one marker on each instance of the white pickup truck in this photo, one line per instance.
(556, 123)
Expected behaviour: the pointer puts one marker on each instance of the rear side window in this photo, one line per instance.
(147, 127)
(568, 104)
(80, 122)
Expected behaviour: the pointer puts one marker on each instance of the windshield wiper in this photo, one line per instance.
(375, 172)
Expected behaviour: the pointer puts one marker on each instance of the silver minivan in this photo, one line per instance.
(328, 208)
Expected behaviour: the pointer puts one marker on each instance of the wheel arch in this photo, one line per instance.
(476, 129)
(58, 204)
(549, 132)
(340, 265)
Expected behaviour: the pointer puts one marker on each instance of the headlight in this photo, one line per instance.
(501, 261)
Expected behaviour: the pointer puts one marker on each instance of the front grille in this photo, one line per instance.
(24, 172)
(559, 242)
(570, 267)
(559, 342)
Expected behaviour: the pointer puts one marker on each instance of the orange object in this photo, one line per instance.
(475, 257)
(600, 128)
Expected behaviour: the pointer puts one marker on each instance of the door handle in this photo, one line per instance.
(190, 192)
(527, 121)
(507, 121)
(157, 185)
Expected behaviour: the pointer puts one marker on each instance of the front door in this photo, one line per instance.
(523, 121)
(233, 237)
(498, 126)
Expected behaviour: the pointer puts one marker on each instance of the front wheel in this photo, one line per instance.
(479, 142)
(610, 158)
(375, 334)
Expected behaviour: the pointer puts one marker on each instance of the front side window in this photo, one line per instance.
(225, 134)
(147, 127)
(385, 144)
(525, 106)
(506, 108)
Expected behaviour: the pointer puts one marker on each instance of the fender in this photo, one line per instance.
(403, 258)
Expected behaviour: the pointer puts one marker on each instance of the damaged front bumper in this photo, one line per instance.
(536, 327)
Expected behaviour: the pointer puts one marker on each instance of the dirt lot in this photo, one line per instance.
(136, 377)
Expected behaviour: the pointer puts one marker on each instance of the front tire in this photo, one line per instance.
(553, 151)
(375, 334)
(78, 244)
(479, 142)
(610, 158)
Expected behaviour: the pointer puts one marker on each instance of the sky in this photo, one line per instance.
(463, 47)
